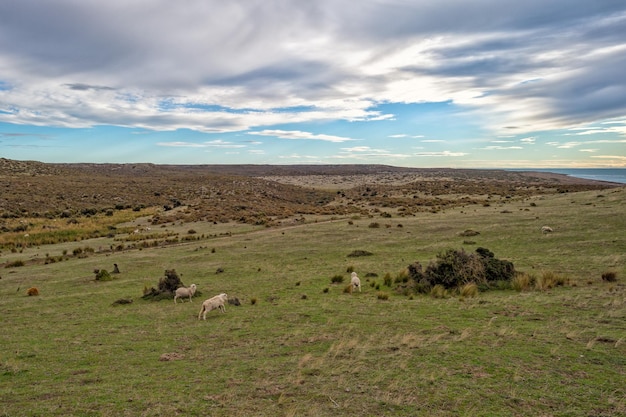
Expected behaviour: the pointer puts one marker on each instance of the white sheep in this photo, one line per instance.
(185, 292)
(546, 229)
(355, 282)
(215, 303)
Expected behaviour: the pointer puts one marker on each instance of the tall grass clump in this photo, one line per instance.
(469, 290)
(523, 282)
(549, 279)
(387, 280)
(438, 291)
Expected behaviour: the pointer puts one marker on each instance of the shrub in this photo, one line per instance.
(455, 268)
(32, 291)
(348, 289)
(609, 276)
(336, 279)
(374, 225)
(253, 301)
(382, 296)
(350, 269)
(103, 275)
(166, 287)
(358, 253)
(495, 269)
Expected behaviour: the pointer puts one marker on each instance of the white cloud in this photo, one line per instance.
(299, 135)
(498, 147)
(212, 144)
(443, 153)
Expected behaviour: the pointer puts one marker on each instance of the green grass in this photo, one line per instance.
(556, 352)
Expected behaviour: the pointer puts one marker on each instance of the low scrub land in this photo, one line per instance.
(538, 332)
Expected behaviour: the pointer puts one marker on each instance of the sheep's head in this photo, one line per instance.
(224, 296)
(192, 288)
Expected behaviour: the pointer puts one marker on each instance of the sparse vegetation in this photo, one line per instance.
(76, 351)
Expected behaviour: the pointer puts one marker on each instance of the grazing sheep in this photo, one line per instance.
(215, 303)
(185, 292)
(546, 229)
(355, 281)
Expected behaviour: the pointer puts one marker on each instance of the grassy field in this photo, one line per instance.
(300, 346)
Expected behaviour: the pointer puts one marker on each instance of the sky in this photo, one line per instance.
(413, 83)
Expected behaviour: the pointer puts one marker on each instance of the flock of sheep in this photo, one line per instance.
(214, 303)
(219, 301)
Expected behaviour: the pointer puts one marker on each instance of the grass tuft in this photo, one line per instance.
(469, 290)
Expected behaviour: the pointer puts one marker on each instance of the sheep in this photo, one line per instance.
(355, 281)
(215, 303)
(185, 292)
(546, 229)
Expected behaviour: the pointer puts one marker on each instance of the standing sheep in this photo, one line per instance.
(215, 303)
(355, 282)
(185, 292)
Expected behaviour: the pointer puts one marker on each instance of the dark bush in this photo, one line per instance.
(495, 269)
(455, 268)
(166, 288)
(357, 253)
(609, 276)
(336, 279)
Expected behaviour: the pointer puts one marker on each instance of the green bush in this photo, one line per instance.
(103, 275)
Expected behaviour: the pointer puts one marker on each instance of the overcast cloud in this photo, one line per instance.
(251, 66)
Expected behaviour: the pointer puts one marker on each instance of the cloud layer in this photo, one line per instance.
(155, 64)
(252, 65)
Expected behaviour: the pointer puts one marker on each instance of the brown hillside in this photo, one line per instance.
(256, 193)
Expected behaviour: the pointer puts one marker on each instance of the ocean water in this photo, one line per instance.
(599, 174)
